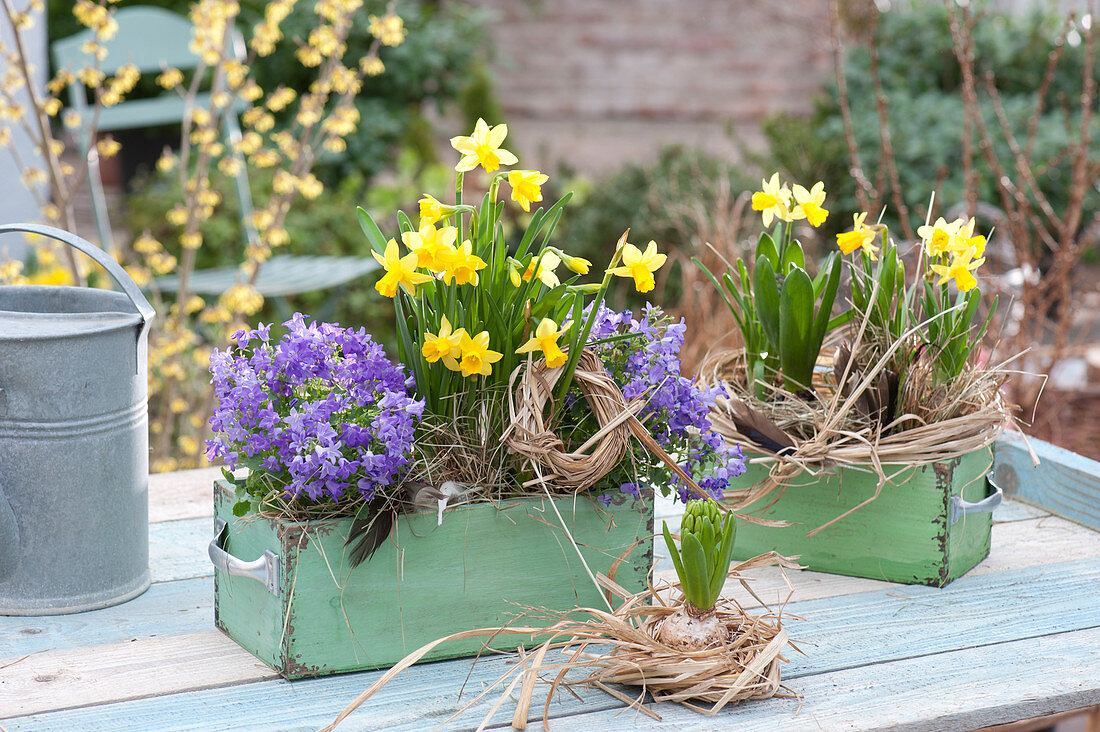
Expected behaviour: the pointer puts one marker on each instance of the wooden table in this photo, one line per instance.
(1017, 638)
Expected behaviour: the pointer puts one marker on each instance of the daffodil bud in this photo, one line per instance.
(587, 289)
(580, 265)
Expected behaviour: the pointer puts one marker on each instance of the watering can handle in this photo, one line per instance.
(144, 309)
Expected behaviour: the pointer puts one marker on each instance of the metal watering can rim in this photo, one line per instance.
(23, 325)
(144, 310)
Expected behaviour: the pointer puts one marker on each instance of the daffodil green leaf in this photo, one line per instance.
(825, 304)
(793, 256)
(404, 223)
(374, 235)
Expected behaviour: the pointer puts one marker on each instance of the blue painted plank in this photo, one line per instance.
(166, 608)
(873, 627)
(1064, 483)
(967, 689)
(177, 549)
(845, 633)
(1011, 511)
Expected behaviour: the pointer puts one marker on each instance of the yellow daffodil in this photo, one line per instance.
(445, 346)
(543, 269)
(431, 210)
(526, 187)
(477, 359)
(809, 204)
(937, 237)
(640, 265)
(460, 264)
(772, 200)
(483, 148)
(399, 271)
(579, 265)
(513, 273)
(860, 237)
(965, 239)
(546, 340)
(430, 245)
(961, 268)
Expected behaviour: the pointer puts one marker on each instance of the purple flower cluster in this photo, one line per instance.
(676, 413)
(321, 410)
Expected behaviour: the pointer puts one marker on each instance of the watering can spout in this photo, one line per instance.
(9, 538)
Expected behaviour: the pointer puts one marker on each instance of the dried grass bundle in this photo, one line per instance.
(601, 648)
(842, 424)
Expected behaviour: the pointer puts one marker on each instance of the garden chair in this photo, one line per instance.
(153, 39)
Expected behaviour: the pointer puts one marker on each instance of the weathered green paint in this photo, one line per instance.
(901, 536)
(480, 569)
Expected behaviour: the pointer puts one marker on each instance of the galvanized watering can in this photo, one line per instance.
(74, 443)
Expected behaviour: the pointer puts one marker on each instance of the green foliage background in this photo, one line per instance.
(923, 85)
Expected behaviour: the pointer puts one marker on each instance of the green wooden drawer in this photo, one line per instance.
(478, 569)
(905, 535)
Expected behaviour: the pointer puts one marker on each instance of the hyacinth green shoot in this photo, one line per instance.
(706, 546)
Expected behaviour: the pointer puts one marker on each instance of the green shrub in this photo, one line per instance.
(922, 83)
(671, 200)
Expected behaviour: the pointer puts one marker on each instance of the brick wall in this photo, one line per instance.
(597, 83)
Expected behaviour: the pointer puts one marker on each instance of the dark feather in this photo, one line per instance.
(878, 402)
(369, 530)
(759, 428)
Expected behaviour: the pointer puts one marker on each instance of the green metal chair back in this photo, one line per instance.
(152, 39)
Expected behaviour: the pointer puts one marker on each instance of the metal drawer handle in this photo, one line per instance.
(959, 508)
(265, 569)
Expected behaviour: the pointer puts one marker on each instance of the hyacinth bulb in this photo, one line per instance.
(702, 563)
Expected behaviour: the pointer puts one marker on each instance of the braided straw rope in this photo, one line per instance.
(529, 434)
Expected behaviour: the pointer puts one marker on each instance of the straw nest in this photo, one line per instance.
(856, 417)
(529, 433)
(607, 650)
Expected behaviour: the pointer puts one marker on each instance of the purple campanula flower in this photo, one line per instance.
(676, 410)
(323, 410)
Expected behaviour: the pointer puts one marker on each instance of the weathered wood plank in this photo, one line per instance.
(177, 549)
(842, 632)
(918, 620)
(183, 494)
(165, 609)
(1063, 483)
(1015, 545)
(186, 607)
(1015, 511)
(142, 667)
(965, 689)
